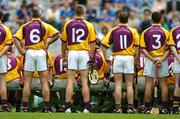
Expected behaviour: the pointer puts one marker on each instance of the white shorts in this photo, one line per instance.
(176, 65)
(149, 69)
(123, 64)
(3, 64)
(35, 60)
(77, 60)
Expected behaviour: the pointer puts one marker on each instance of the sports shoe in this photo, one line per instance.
(5, 110)
(146, 110)
(164, 111)
(175, 110)
(132, 110)
(85, 111)
(68, 110)
(25, 109)
(118, 111)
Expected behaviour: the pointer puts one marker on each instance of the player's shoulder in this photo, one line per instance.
(89, 24)
(174, 28)
(147, 30)
(131, 29)
(6, 28)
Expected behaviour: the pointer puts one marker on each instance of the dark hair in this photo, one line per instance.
(123, 17)
(36, 12)
(1, 14)
(147, 10)
(156, 17)
(79, 10)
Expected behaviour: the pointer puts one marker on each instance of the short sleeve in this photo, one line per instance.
(19, 34)
(142, 41)
(170, 41)
(107, 40)
(136, 38)
(92, 34)
(52, 31)
(8, 40)
(64, 33)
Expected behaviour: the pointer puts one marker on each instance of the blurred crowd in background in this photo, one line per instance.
(102, 13)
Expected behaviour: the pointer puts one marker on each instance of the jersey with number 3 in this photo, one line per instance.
(78, 33)
(123, 39)
(13, 67)
(174, 38)
(35, 33)
(5, 36)
(154, 40)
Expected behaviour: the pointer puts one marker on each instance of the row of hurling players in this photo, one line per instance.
(78, 48)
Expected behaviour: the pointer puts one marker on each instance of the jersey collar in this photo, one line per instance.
(78, 17)
(123, 24)
(156, 25)
(35, 19)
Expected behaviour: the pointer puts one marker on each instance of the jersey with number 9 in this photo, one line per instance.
(174, 38)
(35, 33)
(154, 40)
(123, 39)
(78, 33)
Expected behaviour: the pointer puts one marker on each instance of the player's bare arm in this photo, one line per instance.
(174, 51)
(52, 40)
(19, 46)
(6, 48)
(146, 53)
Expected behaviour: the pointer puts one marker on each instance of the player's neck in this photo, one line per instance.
(156, 24)
(122, 24)
(79, 17)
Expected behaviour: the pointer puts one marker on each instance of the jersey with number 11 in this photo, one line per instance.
(123, 39)
(35, 33)
(78, 33)
(154, 40)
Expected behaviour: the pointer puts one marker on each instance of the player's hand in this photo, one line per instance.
(1, 54)
(178, 60)
(159, 63)
(109, 59)
(23, 52)
(65, 62)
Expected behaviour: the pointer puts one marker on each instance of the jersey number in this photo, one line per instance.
(178, 43)
(34, 37)
(61, 66)
(157, 40)
(9, 65)
(77, 35)
(123, 41)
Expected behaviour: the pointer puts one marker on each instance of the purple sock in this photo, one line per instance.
(175, 98)
(165, 105)
(3, 102)
(25, 105)
(87, 105)
(47, 105)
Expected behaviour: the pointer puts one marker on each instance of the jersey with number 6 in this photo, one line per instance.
(14, 68)
(59, 68)
(78, 33)
(154, 40)
(174, 38)
(123, 39)
(5, 36)
(35, 34)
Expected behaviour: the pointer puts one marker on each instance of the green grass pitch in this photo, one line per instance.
(83, 116)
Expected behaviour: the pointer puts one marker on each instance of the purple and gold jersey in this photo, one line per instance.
(142, 62)
(174, 38)
(78, 33)
(59, 68)
(101, 64)
(14, 68)
(123, 39)
(154, 40)
(35, 34)
(171, 80)
(5, 36)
